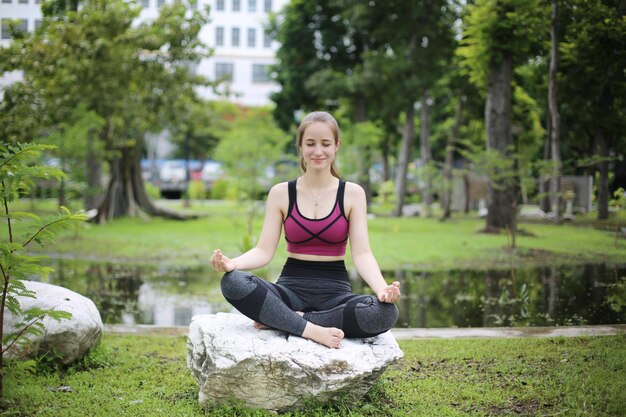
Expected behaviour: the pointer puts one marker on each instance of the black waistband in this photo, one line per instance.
(315, 269)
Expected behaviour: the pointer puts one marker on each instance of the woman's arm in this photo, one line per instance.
(364, 261)
(263, 252)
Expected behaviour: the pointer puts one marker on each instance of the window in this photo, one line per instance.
(145, 3)
(252, 6)
(267, 39)
(23, 1)
(6, 1)
(160, 3)
(236, 5)
(268, 6)
(224, 71)
(251, 37)
(219, 5)
(219, 36)
(38, 23)
(235, 37)
(6, 32)
(261, 73)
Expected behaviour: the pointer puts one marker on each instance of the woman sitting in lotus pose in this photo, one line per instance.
(319, 213)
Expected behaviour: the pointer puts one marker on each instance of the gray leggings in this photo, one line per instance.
(319, 289)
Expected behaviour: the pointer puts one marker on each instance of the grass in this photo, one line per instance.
(147, 376)
(427, 244)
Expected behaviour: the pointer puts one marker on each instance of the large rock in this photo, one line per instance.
(269, 369)
(67, 340)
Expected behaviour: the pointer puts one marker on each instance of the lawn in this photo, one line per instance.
(147, 376)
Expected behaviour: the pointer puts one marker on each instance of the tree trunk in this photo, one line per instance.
(126, 194)
(365, 162)
(403, 158)
(501, 194)
(451, 143)
(555, 182)
(94, 173)
(426, 155)
(603, 170)
(544, 180)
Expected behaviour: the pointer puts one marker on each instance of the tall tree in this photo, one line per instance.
(129, 74)
(497, 37)
(555, 120)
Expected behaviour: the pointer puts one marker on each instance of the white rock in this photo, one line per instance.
(269, 369)
(68, 340)
(531, 212)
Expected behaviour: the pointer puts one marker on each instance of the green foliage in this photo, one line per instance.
(252, 144)
(133, 77)
(152, 190)
(17, 176)
(196, 190)
(220, 189)
(356, 137)
(496, 29)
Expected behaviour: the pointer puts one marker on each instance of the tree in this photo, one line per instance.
(128, 74)
(593, 85)
(414, 43)
(497, 37)
(17, 176)
(555, 119)
(247, 147)
(321, 62)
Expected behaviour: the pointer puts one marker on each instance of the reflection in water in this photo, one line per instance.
(568, 295)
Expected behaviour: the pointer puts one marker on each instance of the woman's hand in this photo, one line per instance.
(221, 263)
(390, 293)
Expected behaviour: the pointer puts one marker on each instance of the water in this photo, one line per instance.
(567, 295)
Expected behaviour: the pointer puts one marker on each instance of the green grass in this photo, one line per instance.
(396, 242)
(147, 376)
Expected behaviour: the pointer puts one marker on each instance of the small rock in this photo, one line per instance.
(67, 340)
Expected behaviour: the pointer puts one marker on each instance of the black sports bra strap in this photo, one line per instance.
(291, 187)
(340, 193)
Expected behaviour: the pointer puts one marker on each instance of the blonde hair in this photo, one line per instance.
(309, 119)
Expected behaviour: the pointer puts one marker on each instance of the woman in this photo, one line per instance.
(319, 212)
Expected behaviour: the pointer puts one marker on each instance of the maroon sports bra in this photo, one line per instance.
(327, 236)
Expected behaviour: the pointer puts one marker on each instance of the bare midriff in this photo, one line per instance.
(316, 258)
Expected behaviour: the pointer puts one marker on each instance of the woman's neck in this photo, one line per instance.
(318, 180)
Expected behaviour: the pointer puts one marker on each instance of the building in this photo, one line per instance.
(243, 50)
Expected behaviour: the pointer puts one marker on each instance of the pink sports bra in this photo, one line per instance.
(327, 236)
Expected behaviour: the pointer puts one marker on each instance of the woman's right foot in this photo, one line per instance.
(327, 336)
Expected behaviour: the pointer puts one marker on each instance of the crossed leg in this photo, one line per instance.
(273, 306)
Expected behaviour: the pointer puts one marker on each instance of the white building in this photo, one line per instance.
(243, 51)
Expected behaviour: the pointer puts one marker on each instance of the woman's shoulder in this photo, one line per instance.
(354, 189)
(279, 189)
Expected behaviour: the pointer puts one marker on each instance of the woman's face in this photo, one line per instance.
(318, 146)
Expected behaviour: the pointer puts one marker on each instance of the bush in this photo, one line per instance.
(196, 190)
(152, 190)
(220, 189)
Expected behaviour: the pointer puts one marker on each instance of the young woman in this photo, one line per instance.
(319, 213)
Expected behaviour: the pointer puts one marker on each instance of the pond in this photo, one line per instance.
(548, 296)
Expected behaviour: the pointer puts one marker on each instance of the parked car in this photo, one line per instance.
(211, 171)
(172, 179)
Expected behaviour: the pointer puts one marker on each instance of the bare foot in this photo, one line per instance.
(261, 326)
(327, 336)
